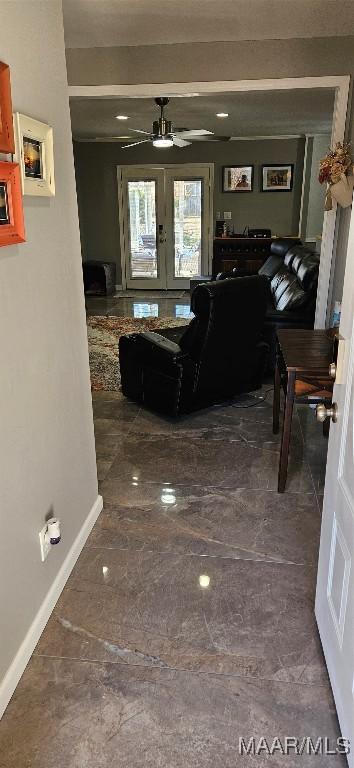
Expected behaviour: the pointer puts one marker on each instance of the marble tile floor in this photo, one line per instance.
(188, 621)
(141, 304)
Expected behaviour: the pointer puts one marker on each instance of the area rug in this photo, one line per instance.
(103, 335)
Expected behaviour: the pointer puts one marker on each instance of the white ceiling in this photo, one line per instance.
(250, 114)
(90, 23)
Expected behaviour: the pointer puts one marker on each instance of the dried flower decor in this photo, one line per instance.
(336, 170)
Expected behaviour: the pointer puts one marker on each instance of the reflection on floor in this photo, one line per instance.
(188, 620)
(141, 304)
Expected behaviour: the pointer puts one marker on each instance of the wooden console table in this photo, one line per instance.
(302, 369)
(245, 252)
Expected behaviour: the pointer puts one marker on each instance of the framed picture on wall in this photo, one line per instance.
(12, 228)
(277, 178)
(34, 152)
(7, 143)
(237, 178)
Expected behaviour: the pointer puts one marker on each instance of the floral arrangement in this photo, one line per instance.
(336, 170)
(336, 162)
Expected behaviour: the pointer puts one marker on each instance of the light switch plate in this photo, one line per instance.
(227, 214)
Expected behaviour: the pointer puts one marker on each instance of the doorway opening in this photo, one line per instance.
(86, 98)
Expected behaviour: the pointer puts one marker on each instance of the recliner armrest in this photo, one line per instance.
(163, 344)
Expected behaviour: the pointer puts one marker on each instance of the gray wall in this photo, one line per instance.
(47, 453)
(317, 192)
(276, 211)
(96, 175)
(314, 193)
(198, 62)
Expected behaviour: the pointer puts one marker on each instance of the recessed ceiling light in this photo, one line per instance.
(222, 114)
(122, 117)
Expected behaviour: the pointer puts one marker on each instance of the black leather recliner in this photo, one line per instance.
(292, 275)
(218, 355)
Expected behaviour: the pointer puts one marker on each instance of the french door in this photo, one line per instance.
(165, 219)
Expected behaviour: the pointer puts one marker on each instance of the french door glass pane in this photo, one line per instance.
(187, 219)
(142, 226)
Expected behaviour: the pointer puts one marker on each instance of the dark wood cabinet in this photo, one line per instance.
(245, 252)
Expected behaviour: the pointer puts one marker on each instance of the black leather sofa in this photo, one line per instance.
(291, 271)
(218, 355)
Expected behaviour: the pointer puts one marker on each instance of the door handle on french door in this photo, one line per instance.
(162, 236)
(323, 413)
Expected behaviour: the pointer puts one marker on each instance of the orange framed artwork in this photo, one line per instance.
(7, 142)
(12, 229)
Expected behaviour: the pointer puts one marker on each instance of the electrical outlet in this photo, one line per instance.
(44, 543)
(227, 214)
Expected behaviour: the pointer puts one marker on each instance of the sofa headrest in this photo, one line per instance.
(294, 297)
(222, 305)
(307, 271)
(226, 295)
(280, 247)
(299, 252)
(271, 266)
(291, 254)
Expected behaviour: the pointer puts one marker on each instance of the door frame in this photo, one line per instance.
(341, 84)
(146, 167)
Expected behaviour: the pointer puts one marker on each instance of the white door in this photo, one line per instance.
(335, 581)
(188, 221)
(166, 220)
(141, 206)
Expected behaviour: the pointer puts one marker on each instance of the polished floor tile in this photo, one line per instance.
(103, 467)
(141, 304)
(188, 620)
(252, 426)
(253, 618)
(191, 461)
(208, 521)
(85, 715)
(114, 406)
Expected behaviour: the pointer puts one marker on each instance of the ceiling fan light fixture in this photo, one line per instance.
(162, 142)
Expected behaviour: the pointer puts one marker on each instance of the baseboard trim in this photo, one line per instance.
(30, 641)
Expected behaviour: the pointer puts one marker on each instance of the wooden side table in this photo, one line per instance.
(302, 369)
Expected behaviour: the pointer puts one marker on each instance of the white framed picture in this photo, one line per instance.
(277, 178)
(237, 178)
(34, 153)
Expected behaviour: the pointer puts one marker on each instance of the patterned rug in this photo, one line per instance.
(103, 334)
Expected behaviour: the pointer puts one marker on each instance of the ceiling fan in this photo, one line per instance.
(162, 135)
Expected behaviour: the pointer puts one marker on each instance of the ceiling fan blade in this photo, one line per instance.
(136, 130)
(197, 132)
(180, 142)
(209, 139)
(135, 143)
(109, 138)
